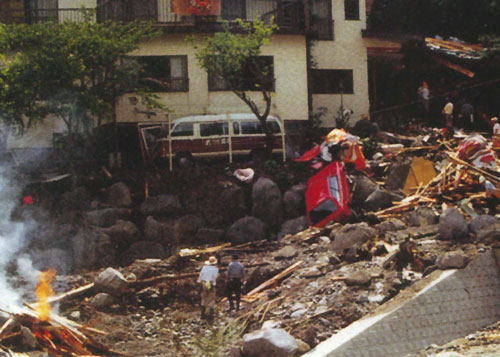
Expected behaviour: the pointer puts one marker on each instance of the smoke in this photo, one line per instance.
(12, 241)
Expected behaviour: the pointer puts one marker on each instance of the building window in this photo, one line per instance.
(332, 81)
(164, 73)
(257, 74)
(322, 20)
(351, 8)
(233, 9)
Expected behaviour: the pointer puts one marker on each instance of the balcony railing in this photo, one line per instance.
(290, 15)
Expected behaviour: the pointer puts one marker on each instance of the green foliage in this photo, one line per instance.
(73, 69)
(218, 340)
(370, 146)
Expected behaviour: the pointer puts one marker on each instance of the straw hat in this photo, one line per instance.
(211, 261)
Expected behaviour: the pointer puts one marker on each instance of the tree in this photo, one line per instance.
(74, 71)
(234, 58)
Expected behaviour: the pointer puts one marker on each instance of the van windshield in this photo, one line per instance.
(183, 129)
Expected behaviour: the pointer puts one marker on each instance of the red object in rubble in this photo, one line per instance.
(327, 196)
(28, 200)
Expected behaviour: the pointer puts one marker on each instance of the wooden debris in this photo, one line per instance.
(274, 280)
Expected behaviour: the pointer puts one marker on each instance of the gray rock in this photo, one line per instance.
(119, 195)
(77, 199)
(481, 222)
(111, 281)
(303, 347)
(351, 235)
(452, 225)
(491, 233)
(246, 229)
(391, 225)
(358, 278)
(381, 199)
(102, 301)
(396, 178)
(53, 258)
(156, 231)
(75, 315)
(185, 229)
(123, 233)
(363, 187)
(29, 339)
(267, 202)
(107, 217)
(298, 313)
(423, 216)
(452, 260)
(161, 205)
(143, 250)
(294, 201)
(269, 342)
(231, 204)
(270, 324)
(208, 235)
(287, 252)
(293, 226)
(92, 249)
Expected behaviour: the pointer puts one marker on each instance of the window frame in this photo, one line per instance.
(328, 86)
(182, 86)
(218, 84)
(351, 14)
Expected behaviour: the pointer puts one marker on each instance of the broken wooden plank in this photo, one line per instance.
(183, 253)
(69, 294)
(275, 279)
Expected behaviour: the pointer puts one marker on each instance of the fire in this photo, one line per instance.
(43, 292)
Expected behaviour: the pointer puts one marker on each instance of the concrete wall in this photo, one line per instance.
(289, 101)
(346, 51)
(443, 306)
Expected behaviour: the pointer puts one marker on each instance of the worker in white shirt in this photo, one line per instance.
(208, 279)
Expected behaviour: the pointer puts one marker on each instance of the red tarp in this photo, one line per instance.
(196, 7)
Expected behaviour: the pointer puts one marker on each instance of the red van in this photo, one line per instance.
(328, 196)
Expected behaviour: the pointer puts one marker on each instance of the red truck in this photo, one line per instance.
(328, 196)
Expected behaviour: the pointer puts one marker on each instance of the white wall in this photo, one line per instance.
(346, 51)
(289, 101)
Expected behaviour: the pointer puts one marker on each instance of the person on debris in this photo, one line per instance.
(208, 278)
(235, 275)
(467, 115)
(492, 195)
(496, 126)
(448, 116)
(424, 98)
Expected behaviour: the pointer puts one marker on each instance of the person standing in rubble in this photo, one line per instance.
(467, 115)
(448, 116)
(235, 275)
(424, 96)
(207, 279)
(492, 195)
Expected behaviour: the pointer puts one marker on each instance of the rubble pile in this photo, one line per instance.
(302, 284)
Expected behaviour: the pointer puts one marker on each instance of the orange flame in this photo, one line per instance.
(43, 292)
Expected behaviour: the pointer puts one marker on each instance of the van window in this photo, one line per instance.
(333, 184)
(274, 126)
(210, 129)
(251, 127)
(183, 129)
(236, 128)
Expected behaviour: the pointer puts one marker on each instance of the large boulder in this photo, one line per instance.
(209, 235)
(452, 225)
(186, 227)
(157, 231)
(452, 260)
(92, 249)
(351, 235)
(123, 233)
(53, 258)
(111, 281)
(391, 225)
(269, 342)
(396, 178)
(423, 216)
(363, 187)
(119, 195)
(267, 202)
(380, 199)
(481, 222)
(143, 250)
(246, 229)
(489, 234)
(293, 226)
(161, 205)
(106, 217)
(294, 201)
(76, 199)
(231, 204)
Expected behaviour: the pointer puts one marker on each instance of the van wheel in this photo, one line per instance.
(259, 155)
(184, 159)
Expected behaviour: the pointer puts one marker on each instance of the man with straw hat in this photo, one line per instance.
(208, 278)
